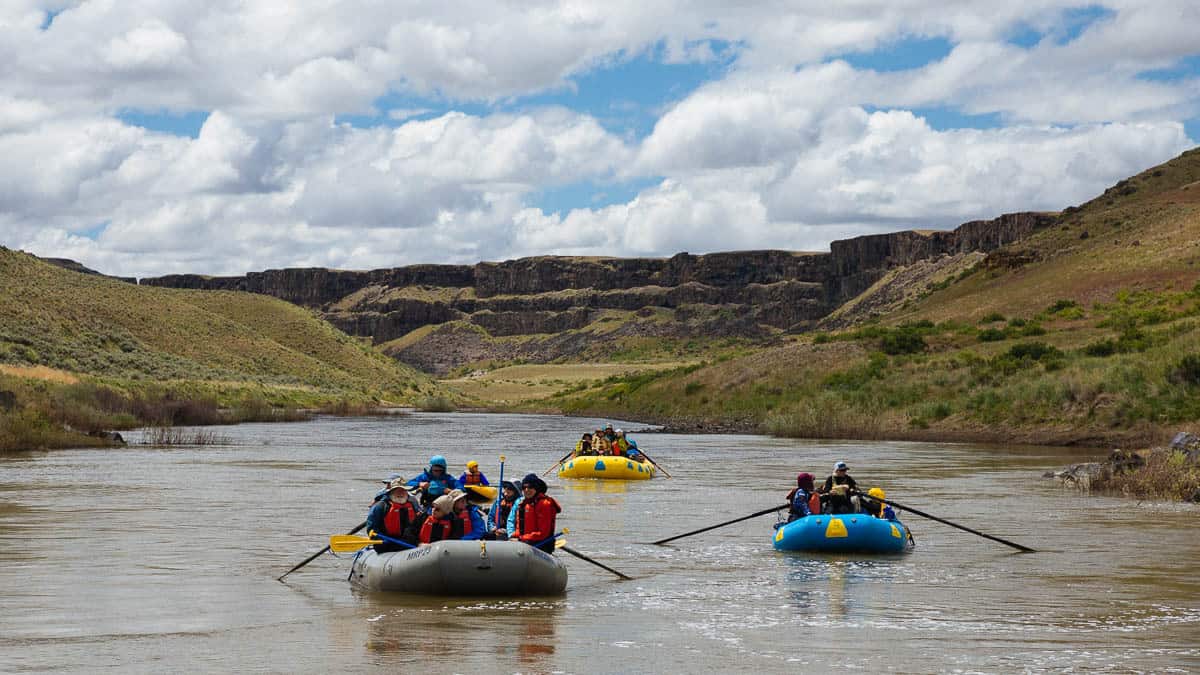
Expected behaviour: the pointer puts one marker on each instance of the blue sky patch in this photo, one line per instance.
(943, 118)
(95, 231)
(1183, 69)
(177, 124)
(626, 95)
(1076, 21)
(905, 54)
(590, 195)
(49, 18)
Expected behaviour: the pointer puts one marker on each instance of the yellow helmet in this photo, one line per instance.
(877, 493)
(472, 464)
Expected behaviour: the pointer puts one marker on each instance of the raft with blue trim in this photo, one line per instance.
(606, 467)
(843, 533)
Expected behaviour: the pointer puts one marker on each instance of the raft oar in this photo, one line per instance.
(314, 556)
(1024, 549)
(756, 514)
(656, 464)
(601, 565)
(495, 514)
(347, 543)
(558, 463)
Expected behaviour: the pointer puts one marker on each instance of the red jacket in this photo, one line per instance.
(535, 520)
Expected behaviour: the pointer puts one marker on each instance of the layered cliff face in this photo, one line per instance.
(557, 305)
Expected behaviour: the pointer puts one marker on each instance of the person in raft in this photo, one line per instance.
(803, 499)
(600, 444)
(510, 494)
(537, 515)
(472, 476)
(395, 517)
(877, 508)
(434, 481)
(452, 518)
(624, 445)
(835, 494)
(583, 446)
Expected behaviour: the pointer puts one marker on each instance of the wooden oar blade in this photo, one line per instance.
(348, 543)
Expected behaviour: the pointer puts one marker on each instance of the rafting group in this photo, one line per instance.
(438, 534)
(434, 506)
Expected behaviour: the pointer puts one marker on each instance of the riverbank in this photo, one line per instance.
(1160, 473)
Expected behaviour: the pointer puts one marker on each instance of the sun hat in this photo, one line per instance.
(840, 465)
(456, 494)
(443, 505)
(508, 484)
(397, 483)
(534, 481)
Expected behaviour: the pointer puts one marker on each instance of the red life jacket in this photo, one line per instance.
(398, 517)
(453, 526)
(472, 478)
(535, 520)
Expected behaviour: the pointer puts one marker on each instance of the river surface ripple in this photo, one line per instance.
(164, 560)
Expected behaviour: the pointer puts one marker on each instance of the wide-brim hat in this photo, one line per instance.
(398, 483)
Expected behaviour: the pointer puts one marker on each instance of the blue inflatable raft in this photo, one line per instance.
(843, 533)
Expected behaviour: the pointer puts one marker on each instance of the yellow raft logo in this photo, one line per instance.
(779, 534)
(836, 529)
(895, 532)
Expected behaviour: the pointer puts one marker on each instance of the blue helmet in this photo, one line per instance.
(437, 460)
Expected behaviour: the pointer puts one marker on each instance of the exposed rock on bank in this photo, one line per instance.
(744, 293)
(1170, 472)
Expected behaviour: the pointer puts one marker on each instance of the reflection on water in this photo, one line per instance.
(169, 564)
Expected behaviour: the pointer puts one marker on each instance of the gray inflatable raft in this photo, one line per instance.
(462, 568)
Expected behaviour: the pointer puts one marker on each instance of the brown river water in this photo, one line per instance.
(164, 560)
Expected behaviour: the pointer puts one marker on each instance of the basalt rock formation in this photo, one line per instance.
(550, 300)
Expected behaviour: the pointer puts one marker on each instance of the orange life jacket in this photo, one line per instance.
(472, 479)
(814, 503)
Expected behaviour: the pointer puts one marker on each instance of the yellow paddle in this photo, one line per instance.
(349, 543)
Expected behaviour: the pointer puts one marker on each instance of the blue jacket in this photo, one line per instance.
(461, 483)
(512, 515)
(478, 526)
(437, 487)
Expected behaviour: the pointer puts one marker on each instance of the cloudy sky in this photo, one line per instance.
(146, 137)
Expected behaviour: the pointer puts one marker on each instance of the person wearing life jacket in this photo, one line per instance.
(631, 446)
(583, 446)
(835, 494)
(452, 518)
(600, 443)
(619, 446)
(472, 476)
(509, 494)
(877, 508)
(396, 516)
(800, 498)
(537, 515)
(434, 481)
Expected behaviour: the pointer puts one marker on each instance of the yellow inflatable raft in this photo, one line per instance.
(609, 468)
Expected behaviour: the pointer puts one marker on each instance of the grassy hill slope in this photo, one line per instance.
(1086, 332)
(92, 352)
(99, 326)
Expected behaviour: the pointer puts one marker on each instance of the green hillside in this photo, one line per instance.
(1086, 332)
(146, 342)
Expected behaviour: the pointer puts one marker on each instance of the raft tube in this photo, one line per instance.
(843, 533)
(606, 467)
(461, 568)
